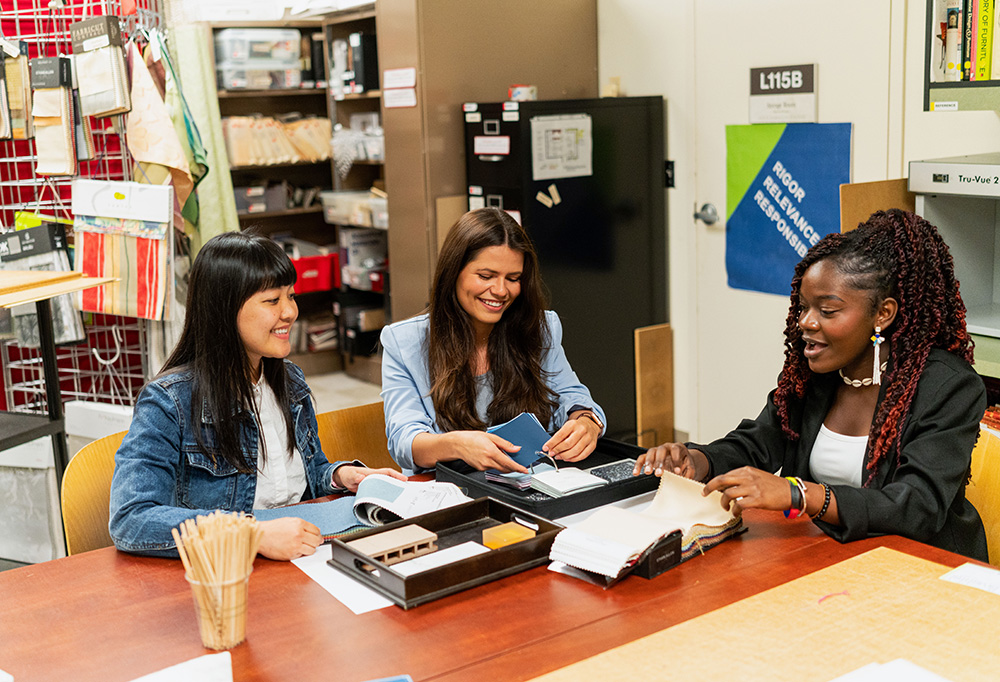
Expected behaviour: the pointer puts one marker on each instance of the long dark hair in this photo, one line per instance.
(899, 254)
(229, 269)
(515, 344)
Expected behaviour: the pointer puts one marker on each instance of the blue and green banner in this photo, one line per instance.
(782, 196)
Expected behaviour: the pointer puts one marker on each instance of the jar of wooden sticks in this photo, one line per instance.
(218, 552)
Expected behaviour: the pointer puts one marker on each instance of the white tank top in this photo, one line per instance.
(837, 459)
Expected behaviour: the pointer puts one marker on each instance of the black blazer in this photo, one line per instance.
(918, 493)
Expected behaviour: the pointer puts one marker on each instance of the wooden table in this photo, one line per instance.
(109, 616)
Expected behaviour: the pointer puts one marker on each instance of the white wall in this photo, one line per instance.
(648, 44)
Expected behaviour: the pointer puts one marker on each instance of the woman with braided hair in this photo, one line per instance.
(877, 408)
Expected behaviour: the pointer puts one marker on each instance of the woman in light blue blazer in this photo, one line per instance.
(485, 351)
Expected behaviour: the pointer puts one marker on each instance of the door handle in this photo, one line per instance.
(707, 214)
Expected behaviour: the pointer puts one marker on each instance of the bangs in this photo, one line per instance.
(272, 269)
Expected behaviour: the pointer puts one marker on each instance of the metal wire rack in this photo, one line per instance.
(110, 365)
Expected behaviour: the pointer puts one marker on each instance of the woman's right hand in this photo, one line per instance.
(483, 450)
(288, 538)
(675, 458)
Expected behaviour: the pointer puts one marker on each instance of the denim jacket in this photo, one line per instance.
(162, 477)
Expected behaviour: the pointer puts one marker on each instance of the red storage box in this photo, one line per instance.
(317, 273)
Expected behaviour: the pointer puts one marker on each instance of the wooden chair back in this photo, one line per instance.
(984, 489)
(356, 433)
(86, 494)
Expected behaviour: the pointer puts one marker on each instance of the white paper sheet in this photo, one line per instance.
(899, 669)
(348, 591)
(973, 575)
(207, 668)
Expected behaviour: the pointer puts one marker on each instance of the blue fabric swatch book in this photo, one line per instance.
(524, 430)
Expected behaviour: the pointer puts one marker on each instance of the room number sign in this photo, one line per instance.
(783, 94)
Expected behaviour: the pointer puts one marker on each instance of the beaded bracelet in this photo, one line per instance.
(826, 503)
(798, 507)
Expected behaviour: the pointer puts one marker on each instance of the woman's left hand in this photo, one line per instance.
(574, 441)
(349, 476)
(749, 488)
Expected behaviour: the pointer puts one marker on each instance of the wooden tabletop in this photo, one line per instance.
(109, 616)
(26, 286)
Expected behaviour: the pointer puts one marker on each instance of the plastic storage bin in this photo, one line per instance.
(347, 208)
(247, 45)
(317, 273)
(258, 76)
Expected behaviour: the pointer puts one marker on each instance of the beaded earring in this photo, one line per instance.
(877, 340)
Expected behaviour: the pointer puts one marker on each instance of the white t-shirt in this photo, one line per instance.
(837, 459)
(281, 479)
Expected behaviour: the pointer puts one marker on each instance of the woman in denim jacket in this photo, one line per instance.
(228, 423)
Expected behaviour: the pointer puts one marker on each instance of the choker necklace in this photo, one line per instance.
(860, 383)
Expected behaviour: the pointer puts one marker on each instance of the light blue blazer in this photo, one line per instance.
(406, 386)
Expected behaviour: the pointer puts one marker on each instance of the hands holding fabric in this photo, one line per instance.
(743, 488)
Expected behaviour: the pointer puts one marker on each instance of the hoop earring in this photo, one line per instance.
(877, 341)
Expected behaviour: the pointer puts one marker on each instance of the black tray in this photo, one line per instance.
(474, 484)
(453, 526)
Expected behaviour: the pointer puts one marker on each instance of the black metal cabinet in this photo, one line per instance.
(601, 236)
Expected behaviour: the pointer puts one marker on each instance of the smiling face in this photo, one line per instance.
(837, 322)
(488, 284)
(264, 323)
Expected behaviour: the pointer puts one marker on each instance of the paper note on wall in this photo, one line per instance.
(562, 146)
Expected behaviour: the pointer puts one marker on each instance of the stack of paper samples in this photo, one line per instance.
(263, 141)
(611, 540)
(52, 109)
(100, 66)
(310, 137)
(18, 82)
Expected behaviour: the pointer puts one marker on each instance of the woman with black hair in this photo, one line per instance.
(485, 351)
(228, 423)
(877, 408)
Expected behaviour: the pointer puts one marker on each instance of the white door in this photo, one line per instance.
(739, 334)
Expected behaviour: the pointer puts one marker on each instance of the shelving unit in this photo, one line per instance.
(955, 95)
(961, 196)
(339, 26)
(357, 345)
(301, 222)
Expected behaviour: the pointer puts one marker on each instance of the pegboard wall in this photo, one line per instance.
(110, 365)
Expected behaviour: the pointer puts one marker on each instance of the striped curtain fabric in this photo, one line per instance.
(136, 252)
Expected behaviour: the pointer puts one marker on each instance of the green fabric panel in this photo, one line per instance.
(747, 150)
(190, 47)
